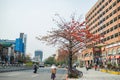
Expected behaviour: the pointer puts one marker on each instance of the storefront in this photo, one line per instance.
(114, 55)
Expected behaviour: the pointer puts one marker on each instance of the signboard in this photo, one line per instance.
(19, 45)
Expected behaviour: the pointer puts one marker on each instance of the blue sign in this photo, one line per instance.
(19, 45)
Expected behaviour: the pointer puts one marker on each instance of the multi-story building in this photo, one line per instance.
(104, 19)
(40, 54)
(6, 51)
(10, 50)
(24, 38)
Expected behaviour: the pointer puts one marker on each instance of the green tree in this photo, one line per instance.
(50, 60)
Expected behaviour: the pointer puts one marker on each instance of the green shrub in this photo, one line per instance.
(29, 64)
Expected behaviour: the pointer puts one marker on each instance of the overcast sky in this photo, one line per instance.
(34, 17)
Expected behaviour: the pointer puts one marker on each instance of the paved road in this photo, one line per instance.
(96, 75)
(42, 74)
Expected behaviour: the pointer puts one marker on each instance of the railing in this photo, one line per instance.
(13, 67)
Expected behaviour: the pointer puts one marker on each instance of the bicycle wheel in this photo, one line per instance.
(80, 74)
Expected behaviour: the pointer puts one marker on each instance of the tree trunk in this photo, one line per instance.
(70, 61)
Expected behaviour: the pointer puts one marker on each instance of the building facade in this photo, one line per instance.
(39, 53)
(13, 51)
(103, 19)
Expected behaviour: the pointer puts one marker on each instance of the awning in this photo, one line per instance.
(5, 44)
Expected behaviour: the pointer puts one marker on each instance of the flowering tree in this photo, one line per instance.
(71, 35)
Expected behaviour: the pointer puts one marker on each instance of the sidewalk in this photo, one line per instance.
(91, 74)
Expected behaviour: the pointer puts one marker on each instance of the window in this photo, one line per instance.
(108, 24)
(106, 3)
(114, 11)
(115, 19)
(104, 26)
(112, 36)
(104, 32)
(116, 34)
(114, 4)
(109, 52)
(113, 51)
(118, 1)
(115, 27)
(108, 38)
(111, 29)
(118, 16)
(104, 39)
(102, 1)
(111, 21)
(107, 17)
(106, 10)
(118, 8)
(110, 7)
(118, 51)
(108, 31)
(110, 14)
(110, 1)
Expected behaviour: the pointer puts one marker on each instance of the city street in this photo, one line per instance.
(42, 74)
(91, 74)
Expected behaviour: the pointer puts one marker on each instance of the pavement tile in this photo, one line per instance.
(91, 74)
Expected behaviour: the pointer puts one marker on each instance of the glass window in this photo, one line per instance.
(111, 29)
(111, 21)
(110, 7)
(108, 38)
(107, 10)
(114, 4)
(118, 16)
(106, 3)
(110, 1)
(108, 24)
(112, 36)
(119, 8)
(118, 0)
(114, 11)
(116, 34)
(108, 31)
(109, 52)
(115, 19)
(115, 27)
(118, 51)
(113, 51)
(110, 14)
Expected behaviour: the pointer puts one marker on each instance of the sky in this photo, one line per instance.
(34, 18)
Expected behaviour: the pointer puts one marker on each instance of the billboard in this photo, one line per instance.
(19, 45)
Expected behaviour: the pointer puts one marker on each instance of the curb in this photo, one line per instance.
(110, 72)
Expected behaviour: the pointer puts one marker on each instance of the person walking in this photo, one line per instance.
(96, 67)
(53, 72)
(87, 67)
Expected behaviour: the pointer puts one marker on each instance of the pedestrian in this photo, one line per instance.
(87, 67)
(35, 68)
(105, 66)
(95, 67)
(53, 72)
